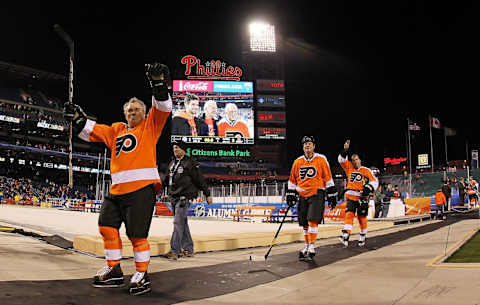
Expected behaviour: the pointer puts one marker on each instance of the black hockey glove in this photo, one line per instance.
(367, 190)
(158, 76)
(76, 114)
(363, 206)
(292, 198)
(332, 196)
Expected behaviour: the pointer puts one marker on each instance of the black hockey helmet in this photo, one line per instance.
(306, 139)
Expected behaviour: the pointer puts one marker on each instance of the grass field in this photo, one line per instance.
(468, 253)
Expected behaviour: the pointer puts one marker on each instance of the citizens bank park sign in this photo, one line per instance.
(213, 69)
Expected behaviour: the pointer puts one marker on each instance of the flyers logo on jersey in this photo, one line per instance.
(126, 143)
(307, 172)
(234, 134)
(355, 177)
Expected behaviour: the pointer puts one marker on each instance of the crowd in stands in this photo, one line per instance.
(25, 189)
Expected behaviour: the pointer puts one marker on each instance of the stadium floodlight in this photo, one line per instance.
(262, 37)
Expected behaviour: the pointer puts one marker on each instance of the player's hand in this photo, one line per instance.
(367, 190)
(158, 76)
(292, 198)
(76, 114)
(346, 145)
(332, 196)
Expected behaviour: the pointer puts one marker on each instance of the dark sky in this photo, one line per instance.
(353, 69)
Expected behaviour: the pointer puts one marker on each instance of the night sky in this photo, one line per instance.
(353, 70)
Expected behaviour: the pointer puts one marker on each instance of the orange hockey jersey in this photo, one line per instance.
(235, 129)
(440, 198)
(133, 163)
(356, 178)
(307, 176)
(472, 187)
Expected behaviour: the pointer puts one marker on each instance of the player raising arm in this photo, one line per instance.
(134, 175)
(360, 184)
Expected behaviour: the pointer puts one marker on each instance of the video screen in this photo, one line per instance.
(213, 112)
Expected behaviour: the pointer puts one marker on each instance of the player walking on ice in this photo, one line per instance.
(311, 181)
(134, 176)
(360, 184)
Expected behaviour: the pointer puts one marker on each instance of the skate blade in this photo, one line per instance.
(345, 244)
(141, 292)
(109, 285)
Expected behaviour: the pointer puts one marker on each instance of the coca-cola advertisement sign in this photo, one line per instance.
(192, 86)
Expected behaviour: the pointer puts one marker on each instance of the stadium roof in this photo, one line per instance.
(23, 72)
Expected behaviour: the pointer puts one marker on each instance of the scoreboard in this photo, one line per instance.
(271, 117)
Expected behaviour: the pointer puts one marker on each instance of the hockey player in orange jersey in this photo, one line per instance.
(472, 191)
(310, 182)
(230, 126)
(361, 182)
(134, 175)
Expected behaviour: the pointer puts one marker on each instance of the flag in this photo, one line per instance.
(450, 132)
(435, 123)
(413, 126)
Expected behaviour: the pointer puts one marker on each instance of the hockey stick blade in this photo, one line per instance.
(274, 241)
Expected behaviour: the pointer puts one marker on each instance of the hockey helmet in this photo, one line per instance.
(306, 139)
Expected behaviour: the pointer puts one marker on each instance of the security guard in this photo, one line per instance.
(185, 180)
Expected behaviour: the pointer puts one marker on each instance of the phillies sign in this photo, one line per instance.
(213, 69)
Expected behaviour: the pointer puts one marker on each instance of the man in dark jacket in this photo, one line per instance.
(184, 181)
(387, 196)
(461, 190)
(447, 191)
(377, 198)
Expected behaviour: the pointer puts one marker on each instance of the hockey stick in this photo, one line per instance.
(274, 241)
(68, 40)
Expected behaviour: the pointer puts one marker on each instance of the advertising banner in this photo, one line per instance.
(417, 206)
(192, 86)
(233, 87)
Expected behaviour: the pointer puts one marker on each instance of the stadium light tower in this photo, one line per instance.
(262, 37)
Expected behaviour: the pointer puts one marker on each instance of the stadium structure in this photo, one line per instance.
(247, 172)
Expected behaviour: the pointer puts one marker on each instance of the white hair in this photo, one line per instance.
(134, 100)
(210, 103)
(231, 106)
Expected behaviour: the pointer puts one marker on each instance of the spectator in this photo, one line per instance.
(440, 201)
(447, 191)
(377, 198)
(396, 192)
(461, 189)
(388, 194)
